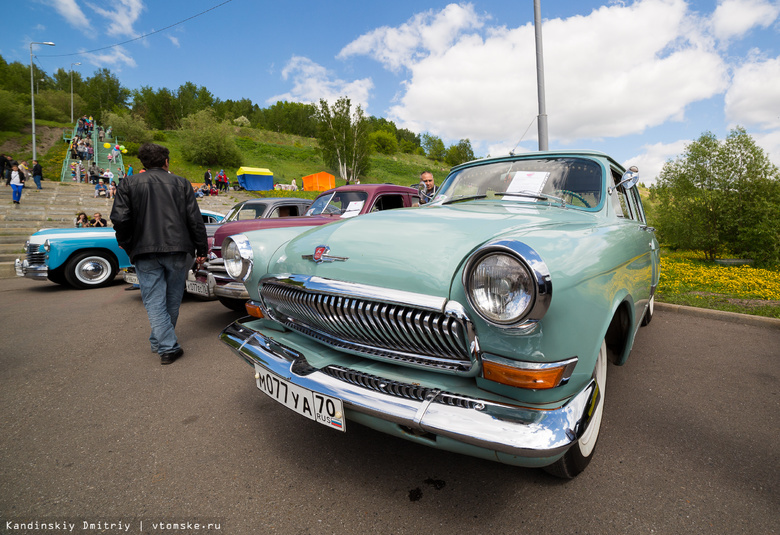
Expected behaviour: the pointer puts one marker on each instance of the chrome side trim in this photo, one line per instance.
(502, 427)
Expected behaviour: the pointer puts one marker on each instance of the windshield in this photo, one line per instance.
(343, 203)
(246, 211)
(575, 181)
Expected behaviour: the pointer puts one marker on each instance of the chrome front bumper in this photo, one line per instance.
(500, 427)
(234, 290)
(25, 269)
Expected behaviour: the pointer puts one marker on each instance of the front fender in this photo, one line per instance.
(61, 250)
(265, 243)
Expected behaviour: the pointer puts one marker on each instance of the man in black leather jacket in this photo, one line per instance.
(158, 223)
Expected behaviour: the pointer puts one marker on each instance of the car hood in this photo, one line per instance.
(421, 249)
(71, 233)
(240, 227)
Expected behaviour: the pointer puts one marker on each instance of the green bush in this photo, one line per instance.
(383, 142)
(132, 148)
(159, 135)
(128, 127)
(13, 113)
(207, 141)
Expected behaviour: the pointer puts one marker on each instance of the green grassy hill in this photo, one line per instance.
(287, 156)
(292, 157)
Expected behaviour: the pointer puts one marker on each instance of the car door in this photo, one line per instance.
(639, 245)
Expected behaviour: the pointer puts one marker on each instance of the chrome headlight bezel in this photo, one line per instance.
(539, 291)
(238, 257)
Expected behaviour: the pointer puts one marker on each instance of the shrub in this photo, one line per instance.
(206, 141)
(128, 127)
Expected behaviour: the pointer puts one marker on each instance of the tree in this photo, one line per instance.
(460, 153)
(289, 117)
(14, 112)
(129, 127)
(408, 141)
(720, 197)
(343, 138)
(104, 93)
(207, 141)
(383, 142)
(433, 147)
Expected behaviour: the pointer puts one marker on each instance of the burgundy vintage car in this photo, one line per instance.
(335, 204)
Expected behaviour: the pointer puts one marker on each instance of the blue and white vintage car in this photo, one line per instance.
(79, 257)
(481, 323)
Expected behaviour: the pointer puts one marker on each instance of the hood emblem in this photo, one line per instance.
(321, 255)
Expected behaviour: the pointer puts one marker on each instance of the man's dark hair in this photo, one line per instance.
(152, 155)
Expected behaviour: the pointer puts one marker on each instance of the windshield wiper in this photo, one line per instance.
(532, 195)
(461, 199)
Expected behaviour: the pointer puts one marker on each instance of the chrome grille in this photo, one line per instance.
(35, 255)
(399, 389)
(405, 333)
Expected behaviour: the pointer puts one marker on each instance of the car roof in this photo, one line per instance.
(541, 154)
(266, 200)
(380, 188)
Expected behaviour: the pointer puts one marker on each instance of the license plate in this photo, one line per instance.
(323, 409)
(199, 288)
(131, 278)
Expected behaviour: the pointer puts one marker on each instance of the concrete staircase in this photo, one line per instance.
(56, 206)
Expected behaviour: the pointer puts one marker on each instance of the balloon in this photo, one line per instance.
(124, 151)
(106, 145)
(121, 147)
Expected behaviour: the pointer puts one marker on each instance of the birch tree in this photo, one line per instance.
(343, 138)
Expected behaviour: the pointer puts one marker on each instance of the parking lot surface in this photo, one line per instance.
(93, 429)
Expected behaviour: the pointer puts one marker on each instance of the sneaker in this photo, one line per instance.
(168, 358)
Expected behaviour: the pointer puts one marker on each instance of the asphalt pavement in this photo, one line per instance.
(96, 434)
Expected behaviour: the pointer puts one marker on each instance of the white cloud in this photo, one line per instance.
(652, 160)
(428, 32)
(753, 98)
(734, 18)
(617, 71)
(770, 142)
(312, 81)
(174, 40)
(121, 16)
(71, 12)
(112, 59)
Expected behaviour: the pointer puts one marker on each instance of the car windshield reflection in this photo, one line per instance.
(575, 182)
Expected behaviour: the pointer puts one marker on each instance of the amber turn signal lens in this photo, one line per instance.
(522, 378)
(253, 309)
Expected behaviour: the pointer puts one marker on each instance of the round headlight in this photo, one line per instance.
(237, 254)
(501, 288)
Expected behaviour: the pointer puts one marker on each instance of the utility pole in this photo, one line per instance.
(542, 118)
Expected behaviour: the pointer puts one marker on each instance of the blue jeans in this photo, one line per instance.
(16, 192)
(162, 278)
(37, 179)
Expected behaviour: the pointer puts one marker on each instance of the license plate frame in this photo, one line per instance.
(131, 278)
(323, 409)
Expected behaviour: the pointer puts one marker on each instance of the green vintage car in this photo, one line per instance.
(481, 323)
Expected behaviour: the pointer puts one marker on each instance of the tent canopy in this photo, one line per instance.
(319, 182)
(255, 178)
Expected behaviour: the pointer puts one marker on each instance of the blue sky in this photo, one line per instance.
(636, 79)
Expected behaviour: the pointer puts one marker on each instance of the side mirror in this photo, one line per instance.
(628, 180)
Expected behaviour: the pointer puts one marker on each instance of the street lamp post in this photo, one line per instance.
(32, 94)
(542, 122)
(71, 90)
